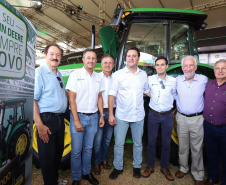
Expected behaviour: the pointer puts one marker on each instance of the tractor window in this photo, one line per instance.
(150, 39)
(19, 112)
(8, 115)
(180, 47)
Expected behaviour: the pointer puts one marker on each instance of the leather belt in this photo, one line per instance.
(87, 114)
(192, 115)
(52, 114)
(106, 109)
(161, 113)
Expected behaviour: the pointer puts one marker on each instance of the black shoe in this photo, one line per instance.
(136, 173)
(75, 182)
(114, 174)
(91, 179)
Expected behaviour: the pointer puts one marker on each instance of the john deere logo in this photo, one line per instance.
(13, 41)
(80, 79)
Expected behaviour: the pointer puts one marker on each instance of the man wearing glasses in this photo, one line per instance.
(190, 103)
(163, 90)
(50, 103)
(85, 98)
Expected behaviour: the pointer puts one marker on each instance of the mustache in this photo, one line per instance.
(188, 71)
(54, 60)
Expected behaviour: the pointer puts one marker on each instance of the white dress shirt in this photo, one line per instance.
(86, 88)
(162, 99)
(107, 81)
(128, 88)
(190, 96)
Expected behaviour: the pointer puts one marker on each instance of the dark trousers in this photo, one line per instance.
(50, 153)
(155, 121)
(215, 143)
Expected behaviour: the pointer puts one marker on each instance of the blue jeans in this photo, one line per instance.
(50, 153)
(102, 140)
(215, 143)
(155, 121)
(120, 130)
(82, 144)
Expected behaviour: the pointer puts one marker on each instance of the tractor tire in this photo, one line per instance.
(20, 143)
(65, 160)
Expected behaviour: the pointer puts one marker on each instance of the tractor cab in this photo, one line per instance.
(155, 32)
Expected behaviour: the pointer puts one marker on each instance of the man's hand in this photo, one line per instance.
(101, 122)
(78, 126)
(43, 132)
(111, 120)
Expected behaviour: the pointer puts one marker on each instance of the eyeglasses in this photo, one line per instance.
(61, 83)
(163, 86)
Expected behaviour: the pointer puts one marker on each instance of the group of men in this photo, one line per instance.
(115, 101)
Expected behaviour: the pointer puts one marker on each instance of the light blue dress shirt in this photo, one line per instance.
(48, 92)
(190, 96)
(162, 99)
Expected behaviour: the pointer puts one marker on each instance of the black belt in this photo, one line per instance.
(52, 114)
(161, 113)
(192, 115)
(87, 114)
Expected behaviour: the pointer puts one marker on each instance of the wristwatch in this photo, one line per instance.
(102, 114)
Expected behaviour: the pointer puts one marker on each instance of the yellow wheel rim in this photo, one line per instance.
(67, 138)
(174, 131)
(21, 144)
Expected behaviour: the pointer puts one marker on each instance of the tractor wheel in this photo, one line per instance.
(20, 143)
(65, 160)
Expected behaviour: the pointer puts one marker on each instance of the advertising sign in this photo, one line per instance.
(17, 70)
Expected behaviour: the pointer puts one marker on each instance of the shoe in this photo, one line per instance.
(180, 174)
(210, 182)
(105, 165)
(97, 169)
(115, 173)
(136, 173)
(167, 174)
(91, 179)
(61, 182)
(198, 182)
(147, 172)
(75, 182)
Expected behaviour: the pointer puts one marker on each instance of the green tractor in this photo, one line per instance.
(15, 136)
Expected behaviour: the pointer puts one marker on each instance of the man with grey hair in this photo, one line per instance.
(103, 136)
(215, 124)
(190, 103)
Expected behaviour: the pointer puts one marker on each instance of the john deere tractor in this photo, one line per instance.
(15, 135)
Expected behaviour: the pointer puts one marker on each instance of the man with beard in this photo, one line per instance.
(50, 103)
(190, 103)
(128, 86)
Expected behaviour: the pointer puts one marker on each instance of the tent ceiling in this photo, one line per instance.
(63, 22)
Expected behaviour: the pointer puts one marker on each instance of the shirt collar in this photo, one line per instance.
(48, 70)
(127, 70)
(159, 79)
(103, 75)
(86, 72)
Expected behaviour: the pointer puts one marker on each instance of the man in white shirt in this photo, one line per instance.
(129, 85)
(163, 90)
(85, 98)
(103, 136)
(190, 104)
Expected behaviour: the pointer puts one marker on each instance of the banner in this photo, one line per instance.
(17, 70)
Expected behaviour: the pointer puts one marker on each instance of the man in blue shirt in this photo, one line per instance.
(50, 103)
(163, 90)
(190, 103)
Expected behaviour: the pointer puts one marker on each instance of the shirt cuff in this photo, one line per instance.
(111, 92)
